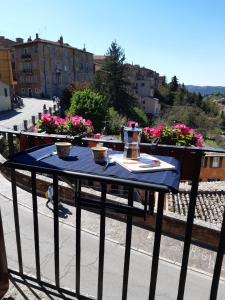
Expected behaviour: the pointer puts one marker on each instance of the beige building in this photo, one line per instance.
(144, 83)
(5, 98)
(44, 68)
(6, 80)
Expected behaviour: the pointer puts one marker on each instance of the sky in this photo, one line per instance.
(185, 38)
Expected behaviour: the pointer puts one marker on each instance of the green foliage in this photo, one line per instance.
(173, 85)
(114, 122)
(90, 105)
(139, 116)
(112, 81)
(210, 107)
(192, 116)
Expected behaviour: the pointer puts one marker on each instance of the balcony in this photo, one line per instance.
(45, 260)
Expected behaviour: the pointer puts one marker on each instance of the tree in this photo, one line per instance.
(139, 116)
(114, 122)
(192, 116)
(90, 105)
(174, 84)
(112, 80)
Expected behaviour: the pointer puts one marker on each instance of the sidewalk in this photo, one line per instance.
(198, 285)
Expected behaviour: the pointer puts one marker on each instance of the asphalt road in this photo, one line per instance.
(32, 107)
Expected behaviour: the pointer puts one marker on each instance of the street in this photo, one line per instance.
(32, 107)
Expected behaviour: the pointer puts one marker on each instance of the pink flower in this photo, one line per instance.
(200, 141)
(184, 129)
(149, 130)
(158, 131)
(46, 118)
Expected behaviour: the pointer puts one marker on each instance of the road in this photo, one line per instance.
(32, 107)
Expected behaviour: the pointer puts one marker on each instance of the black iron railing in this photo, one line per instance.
(129, 210)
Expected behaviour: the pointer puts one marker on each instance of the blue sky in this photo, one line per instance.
(185, 38)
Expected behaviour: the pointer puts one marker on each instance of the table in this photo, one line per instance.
(80, 162)
(81, 165)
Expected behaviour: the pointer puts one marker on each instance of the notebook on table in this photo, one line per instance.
(146, 163)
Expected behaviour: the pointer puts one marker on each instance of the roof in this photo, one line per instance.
(209, 205)
(59, 44)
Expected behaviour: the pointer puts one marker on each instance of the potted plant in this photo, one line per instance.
(176, 135)
(50, 126)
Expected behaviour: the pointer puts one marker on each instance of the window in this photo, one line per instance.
(143, 101)
(36, 90)
(58, 78)
(6, 92)
(22, 90)
(143, 84)
(205, 162)
(216, 162)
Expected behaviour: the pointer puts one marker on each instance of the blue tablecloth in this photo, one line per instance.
(81, 160)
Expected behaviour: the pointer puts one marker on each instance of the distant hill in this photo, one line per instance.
(205, 90)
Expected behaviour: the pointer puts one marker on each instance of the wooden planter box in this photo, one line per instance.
(185, 155)
(28, 140)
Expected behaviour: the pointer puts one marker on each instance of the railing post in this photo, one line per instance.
(25, 124)
(39, 116)
(4, 277)
(15, 127)
(50, 110)
(33, 120)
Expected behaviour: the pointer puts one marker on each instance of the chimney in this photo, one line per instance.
(29, 39)
(61, 40)
(2, 37)
(19, 40)
(37, 37)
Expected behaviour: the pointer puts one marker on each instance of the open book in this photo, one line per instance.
(146, 163)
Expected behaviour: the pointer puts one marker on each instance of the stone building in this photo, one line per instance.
(144, 83)
(44, 68)
(6, 80)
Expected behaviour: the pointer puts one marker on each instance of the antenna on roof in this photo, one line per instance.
(84, 49)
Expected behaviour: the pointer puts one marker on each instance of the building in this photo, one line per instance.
(6, 80)
(213, 167)
(99, 61)
(144, 83)
(44, 68)
(7, 43)
(162, 80)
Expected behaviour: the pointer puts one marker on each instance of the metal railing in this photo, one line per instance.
(129, 210)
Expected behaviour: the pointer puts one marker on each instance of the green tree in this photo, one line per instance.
(114, 122)
(112, 80)
(192, 116)
(90, 105)
(174, 84)
(139, 116)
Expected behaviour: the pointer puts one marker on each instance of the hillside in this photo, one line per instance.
(205, 90)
